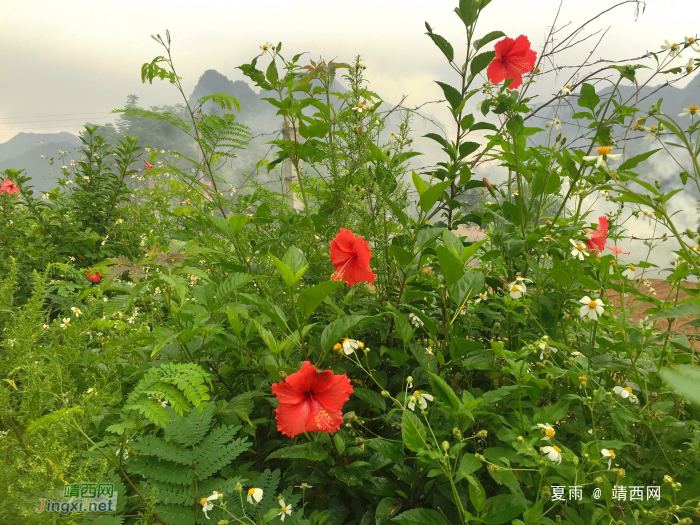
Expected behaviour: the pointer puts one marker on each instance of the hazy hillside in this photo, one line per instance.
(23, 142)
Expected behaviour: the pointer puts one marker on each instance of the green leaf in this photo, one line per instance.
(469, 464)
(285, 272)
(444, 46)
(429, 197)
(403, 326)
(468, 11)
(310, 298)
(588, 98)
(477, 494)
(420, 184)
(400, 215)
(632, 162)
(236, 325)
(453, 96)
(412, 431)
(451, 266)
(502, 509)
(484, 125)
(467, 287)
(444, 392)
(294, 259)
(489, 37)
(237, 222)
(386, 509)
(389, 449)
(267, 337)
(481, 61)
(552, 413)
(312, 451)
(684, 382)
(467, 148)
(421, 516)
(371, 397)
(334, 331)
(437, 138)
(682, 310)
(271, 73)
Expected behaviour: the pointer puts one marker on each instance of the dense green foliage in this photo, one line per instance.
(485, 378)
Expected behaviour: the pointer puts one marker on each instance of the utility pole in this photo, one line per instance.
(291, 131)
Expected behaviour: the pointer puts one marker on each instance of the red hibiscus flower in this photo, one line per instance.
(350, 256)
(311, 401)
(8, 187)
(93, 275)
(513, 59)
(148, 165)
(596, 242)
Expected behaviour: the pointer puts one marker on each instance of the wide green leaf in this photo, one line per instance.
(684, 382)
(489, 37)
(588, 98)
(453, 96)
(421, 516)
(470, 284)
(412, 431)
(312, 450)
(430, 196)
(480, 61)
(310, 298)
(451, 266)
(237, 222)
(444, 392)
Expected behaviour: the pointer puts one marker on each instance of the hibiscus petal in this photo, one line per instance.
(363, 251)
(333, 393)
(504, 47)
(292, 418)
(514, 72)
(342, 248)
(300, 381)
(287, 393)
(323, 420)
(358, 274)
(496, 71)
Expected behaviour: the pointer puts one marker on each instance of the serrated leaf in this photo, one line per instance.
(481, 61)
(489, 37)
(312, 450)
(310, 298)
(412, 431)
(429, 196)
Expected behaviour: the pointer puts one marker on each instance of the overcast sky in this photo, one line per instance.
(65, 62)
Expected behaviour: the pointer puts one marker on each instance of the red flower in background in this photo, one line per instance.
(93, 275)
(596, 242)
(310, 401)
(513, 59)
(350, 256)
(148, 165)
(8, 187)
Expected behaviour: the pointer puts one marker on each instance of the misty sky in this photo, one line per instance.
(65, 62)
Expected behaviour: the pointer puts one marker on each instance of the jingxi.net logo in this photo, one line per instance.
(81, 497)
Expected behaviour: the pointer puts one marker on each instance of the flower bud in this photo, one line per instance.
(482, 434)
(657, 183)
(445, 446)
(599, 479)
(457, 433)
(521, 438)
(239, 487)
(409, 380)
(385, 393)
(480, 457)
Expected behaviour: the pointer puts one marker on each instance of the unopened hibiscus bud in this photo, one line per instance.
(283, 374)
(489, 187)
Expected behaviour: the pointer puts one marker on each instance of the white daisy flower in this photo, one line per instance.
(286, 509)
(66, 323)
(576, 354)
(516, 291)
(420, 398)
(625, 393)
(565, 91)
(415, 320)
(690, 110)
(690, 41)
(481, 297)
(304, 486)
(553, 453)
(206, 502)
(591, 308)
(653, 133)
(76, 311)
(350, 345)
(673, 48)
(630, 271)
(267, 48)
(254, 494)
(602, 157)
(689, 66)
(548, 431)
(608, 453)
(579, 249)
(520, 281)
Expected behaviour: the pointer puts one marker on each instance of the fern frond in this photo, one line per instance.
(162, 449)
(168, 472)
(224, 100)
(222, 134)
(225, 486)
(144, 113)
(53, 417)
(176, 514)
(171, 494)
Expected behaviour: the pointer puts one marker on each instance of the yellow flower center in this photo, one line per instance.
(674, 46)
(582, 378)
(652, 129)
(604, 150)
(416, 393)
(691, 40)
(251, 491)
(203, 502)
(632, 267)
(515, 288)
(693, 109)
(284, 509)
(548, 236)
(556, 448)
(568, 86)
(549, 432)
(592, 305)
(612, 453)
(636, 127)
(580, 247)
(628, 389)
(360, 105)
(481, 296)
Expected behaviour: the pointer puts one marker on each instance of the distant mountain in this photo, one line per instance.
(41, 171)
(23, 142)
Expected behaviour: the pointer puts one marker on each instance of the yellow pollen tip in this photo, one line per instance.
(416, 393)
(612, 453)
(550, 432)
(628, 389)
(582, 378)
(604, 150)
(568, 86)
(203, 501)
(250, 492)
(632, 267)
(693, 108)
(556, 448)
(592, 305)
